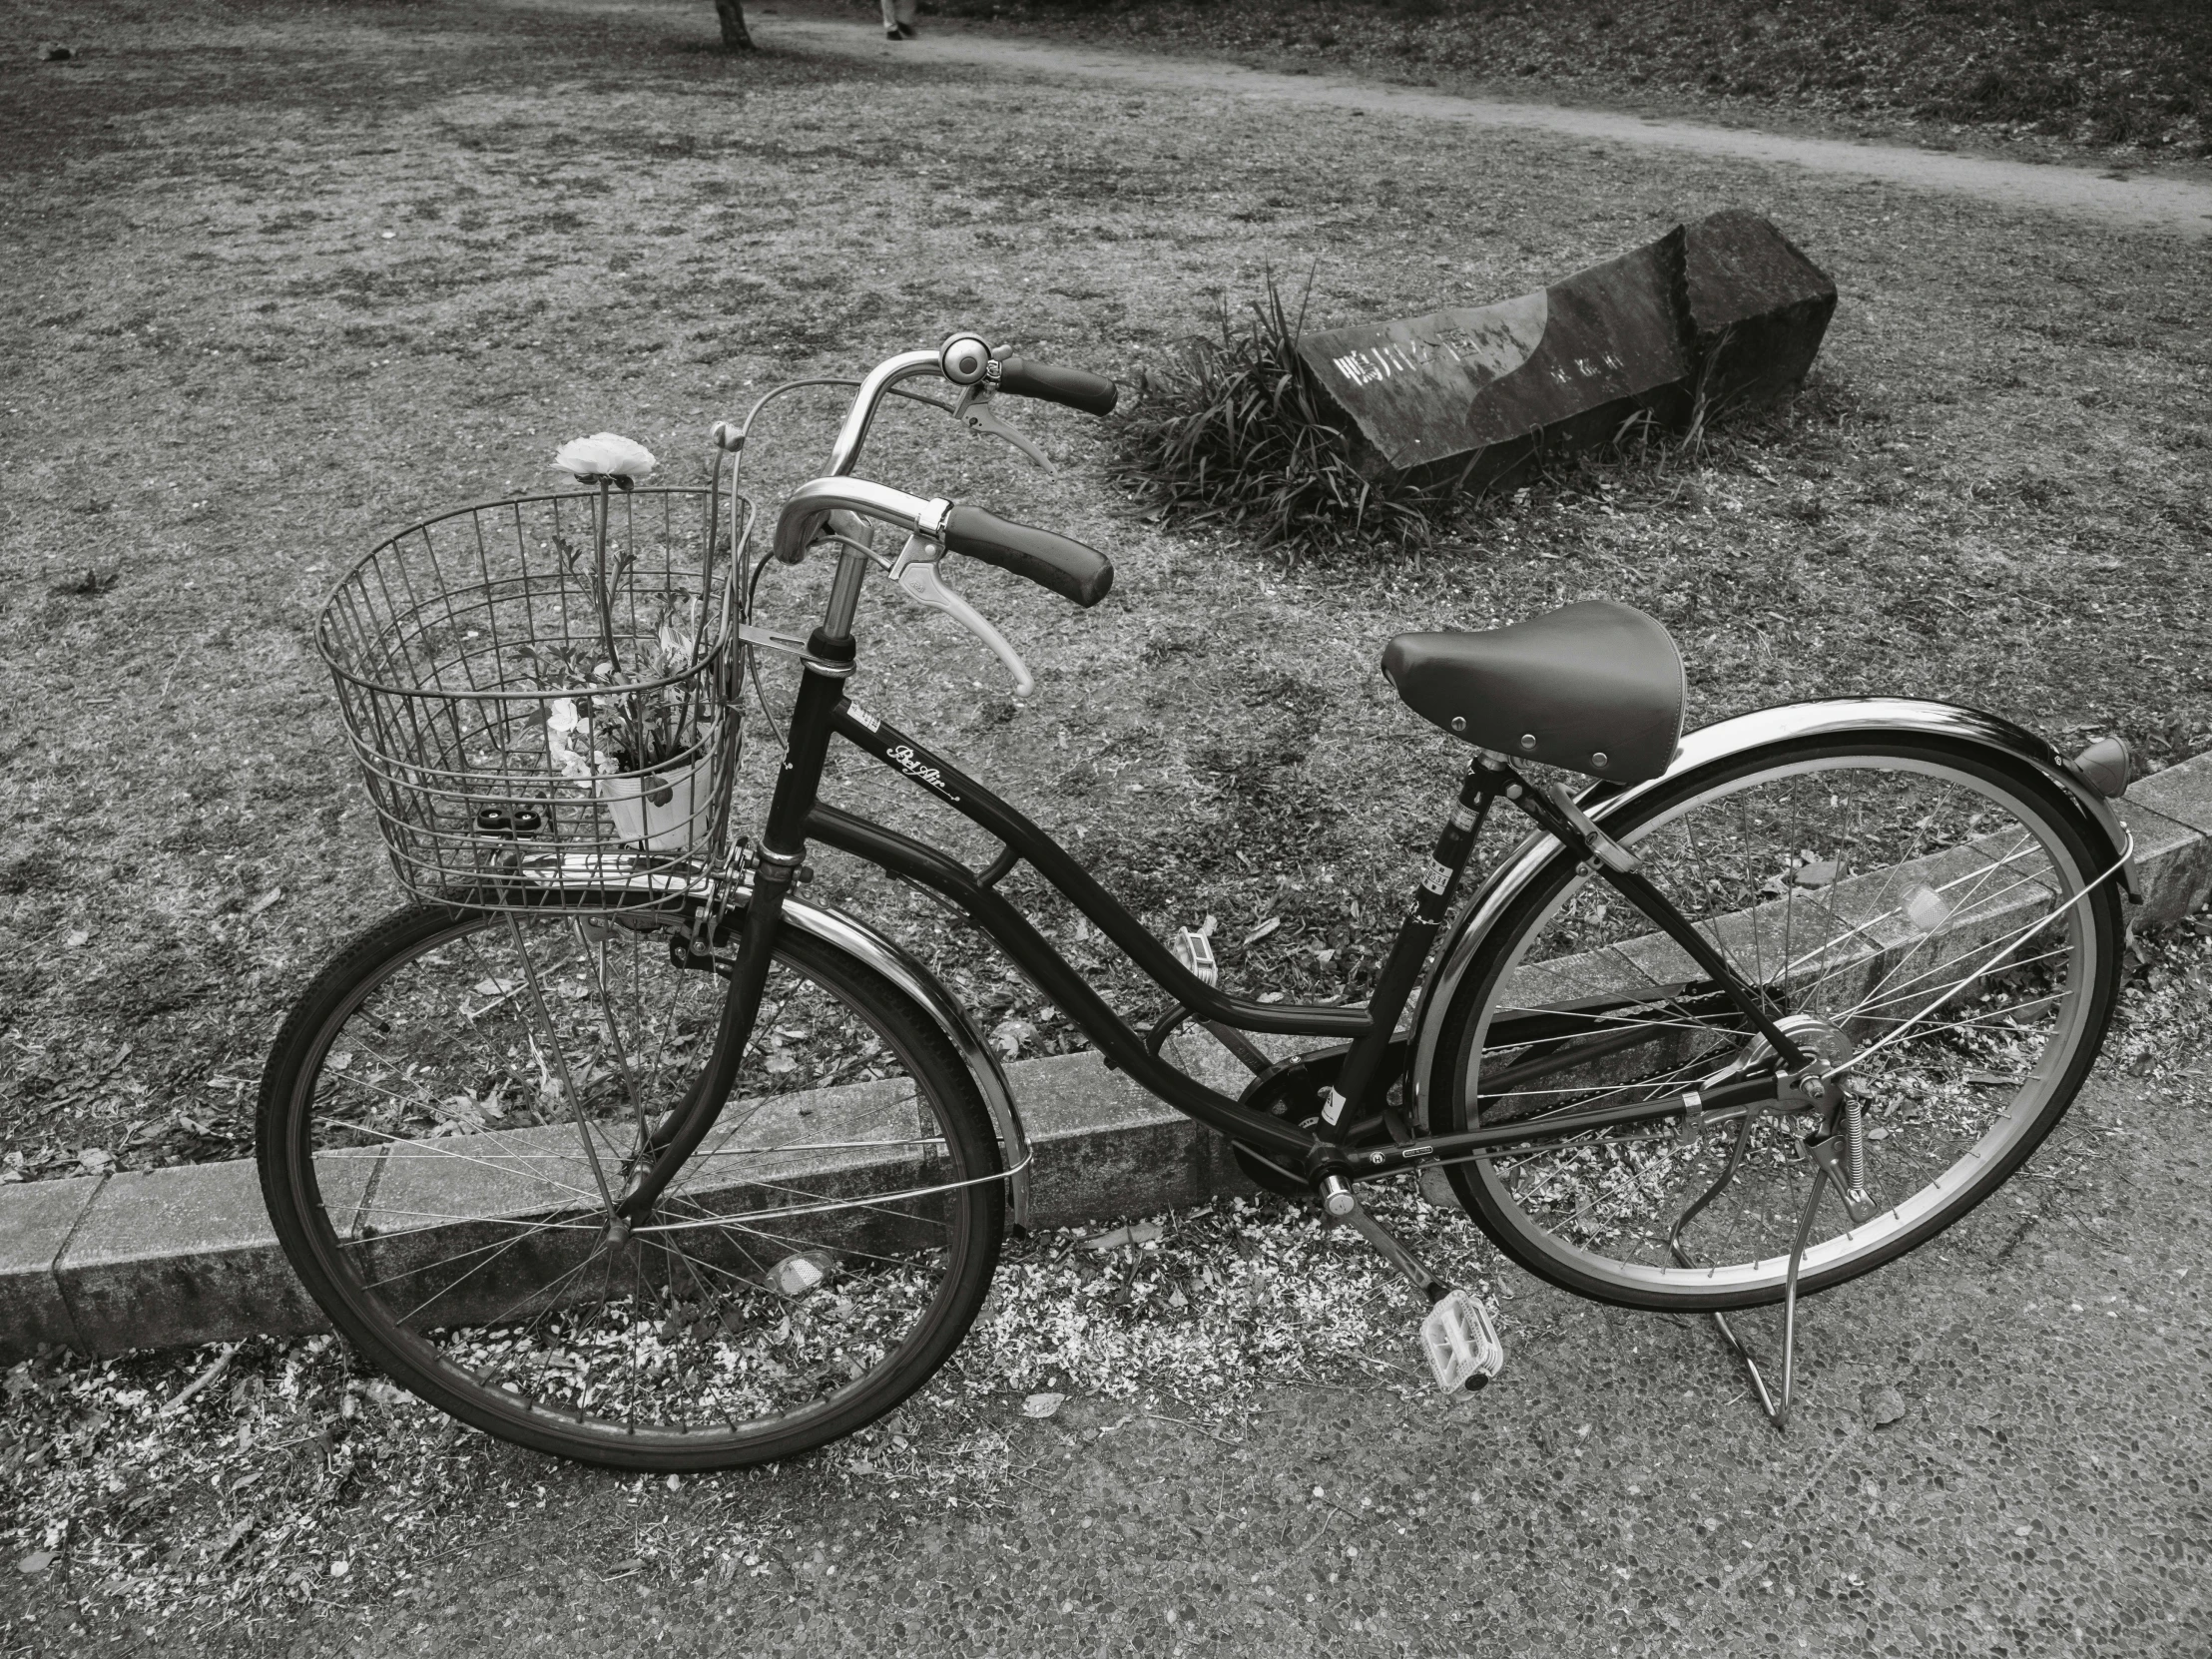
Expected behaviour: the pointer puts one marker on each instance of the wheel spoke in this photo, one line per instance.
(1932, 921)
(834, 1220)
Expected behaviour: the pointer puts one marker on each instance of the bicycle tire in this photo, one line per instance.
(1589, 1214)
(870, 1289)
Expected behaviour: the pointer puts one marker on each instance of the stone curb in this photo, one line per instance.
(176, 1255)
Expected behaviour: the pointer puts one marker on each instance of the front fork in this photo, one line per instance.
(783, 849)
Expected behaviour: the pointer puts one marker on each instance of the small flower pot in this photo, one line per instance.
(668, 810)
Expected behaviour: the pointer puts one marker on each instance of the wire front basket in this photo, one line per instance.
(541, 693)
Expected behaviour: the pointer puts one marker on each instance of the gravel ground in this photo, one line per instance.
(1219, 1437)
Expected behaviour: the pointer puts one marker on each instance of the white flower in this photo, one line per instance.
(606, 456)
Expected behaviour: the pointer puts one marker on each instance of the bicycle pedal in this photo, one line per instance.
(1461, 1343)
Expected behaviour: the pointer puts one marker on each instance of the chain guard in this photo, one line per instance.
(1292, 1090)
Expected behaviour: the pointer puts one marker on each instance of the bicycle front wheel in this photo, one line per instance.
(1925, 915)
(459, 1101)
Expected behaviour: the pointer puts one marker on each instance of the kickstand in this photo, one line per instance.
(1776, 1413)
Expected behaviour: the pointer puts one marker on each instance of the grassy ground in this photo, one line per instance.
(2132, 77)
(278, 279)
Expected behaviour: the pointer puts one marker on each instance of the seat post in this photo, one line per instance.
(1487, 779)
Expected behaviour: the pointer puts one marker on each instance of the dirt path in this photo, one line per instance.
(2178, 206)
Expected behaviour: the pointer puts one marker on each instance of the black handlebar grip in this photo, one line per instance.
(1077, 389)
(1067, 567)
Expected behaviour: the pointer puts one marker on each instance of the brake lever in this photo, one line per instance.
(978, 417)
(916, 572)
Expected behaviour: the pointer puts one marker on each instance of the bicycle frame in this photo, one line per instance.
(1312, 1152)
(1309, 1152)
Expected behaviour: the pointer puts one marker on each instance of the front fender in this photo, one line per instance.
(1725, 740)
(895, 963)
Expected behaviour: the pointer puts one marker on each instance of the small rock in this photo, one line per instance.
(1887, 1407)
(1042, 1406)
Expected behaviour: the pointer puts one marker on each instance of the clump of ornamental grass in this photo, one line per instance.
(1234, 433)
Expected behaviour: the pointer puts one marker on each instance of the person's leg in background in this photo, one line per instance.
(899, 19)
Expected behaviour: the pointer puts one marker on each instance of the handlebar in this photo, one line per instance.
(1044, 557)
(1074, 388)
(965, 360)
(934, 527)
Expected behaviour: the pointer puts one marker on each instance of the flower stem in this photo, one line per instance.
(599, 582)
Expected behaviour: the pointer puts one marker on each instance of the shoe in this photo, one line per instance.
(906, 31)
(892, 34)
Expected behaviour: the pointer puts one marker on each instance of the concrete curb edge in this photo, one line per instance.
(184, 1255)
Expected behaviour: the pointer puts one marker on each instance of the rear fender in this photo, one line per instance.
(1726, 740)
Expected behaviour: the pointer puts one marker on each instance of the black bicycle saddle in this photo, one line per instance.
(1594, 687)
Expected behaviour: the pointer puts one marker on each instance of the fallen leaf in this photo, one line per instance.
(35, 1562)
(1263, 930)
(795, 1276)
(1042, 1406)
(76, 938)
(264, 901)
(1141, 1234)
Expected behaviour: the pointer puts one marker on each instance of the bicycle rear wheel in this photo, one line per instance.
(1928, 916)
(457, 1100)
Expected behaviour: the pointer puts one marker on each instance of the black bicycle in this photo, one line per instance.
(616, 1147)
